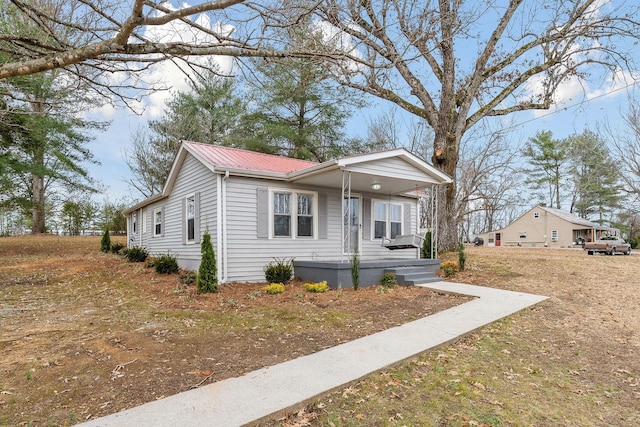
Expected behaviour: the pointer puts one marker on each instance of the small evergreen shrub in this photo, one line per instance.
(117, 247)
(449, 268)
(317, 287)
(105, 243)
(388, 280)
(137, 254)
(208, 271)
(189, 278)
(426, 246)
(355, 270)
(279, 270)
(462, 257)
(274, 288)
(166, 264)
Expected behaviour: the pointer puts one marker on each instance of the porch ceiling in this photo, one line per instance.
(361, 182)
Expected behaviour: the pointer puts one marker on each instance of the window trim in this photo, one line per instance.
(388, 204)
(134, 223)
(186, 219)
(536, 215)
(293, 213)
(155, 222)
(554, 235)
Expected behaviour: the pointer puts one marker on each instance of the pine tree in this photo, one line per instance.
(105, 243)
(207, 274)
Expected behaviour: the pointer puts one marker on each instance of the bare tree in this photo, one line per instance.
(626, 147)
(488, 181)
(455, 63)
(112, 44)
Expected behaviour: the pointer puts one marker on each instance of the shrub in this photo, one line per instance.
(117, 247)
(449, 268)
(208, 271)
(274, 288)
(388, 280)
(150, 262)
(188, 278)
(137, 254)
(279, 270)
(426, 246)
(355, 270)
(166, 264)
(462, 257)
(317, 287)
(105, 243)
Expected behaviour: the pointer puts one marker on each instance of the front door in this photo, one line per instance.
(351, 225)
(498, 239)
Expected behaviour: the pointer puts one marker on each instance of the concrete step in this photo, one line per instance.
(412, 275)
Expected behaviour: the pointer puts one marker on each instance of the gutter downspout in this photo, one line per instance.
(219, 226)
(224, 227)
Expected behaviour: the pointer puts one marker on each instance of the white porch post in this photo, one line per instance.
(346, 212)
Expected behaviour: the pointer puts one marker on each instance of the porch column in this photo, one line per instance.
(346, 212)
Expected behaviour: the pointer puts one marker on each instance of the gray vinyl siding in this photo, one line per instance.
(394, 167)
(193, 178)
(248, 254)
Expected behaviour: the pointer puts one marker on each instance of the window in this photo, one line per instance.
(305, 215)
(157, 221)
(395, 218)
(282, 214)
(190, 216)
(554, 235)
(536, 214)
(293, 214)
(134, 222)
(379, 220)
(523, 235)
(387, 220)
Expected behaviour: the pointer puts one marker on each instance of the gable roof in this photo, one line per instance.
(569, 217)
(235, 158)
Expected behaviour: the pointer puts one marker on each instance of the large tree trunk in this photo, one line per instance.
(38, 205)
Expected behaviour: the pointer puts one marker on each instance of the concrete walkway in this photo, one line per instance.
(290, 385)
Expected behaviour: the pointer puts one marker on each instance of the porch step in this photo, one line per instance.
(412, 275)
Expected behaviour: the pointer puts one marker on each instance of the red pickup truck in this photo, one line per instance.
(608, 245)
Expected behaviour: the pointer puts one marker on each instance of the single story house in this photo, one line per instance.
(546, 227)
(258, 207)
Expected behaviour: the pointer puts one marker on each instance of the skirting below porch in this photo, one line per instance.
(338, 273)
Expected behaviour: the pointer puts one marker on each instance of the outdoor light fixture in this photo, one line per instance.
(376, 186)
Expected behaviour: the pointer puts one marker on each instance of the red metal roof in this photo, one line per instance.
(235, 158)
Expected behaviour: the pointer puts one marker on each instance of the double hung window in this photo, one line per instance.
(387, 219)
(293, 214)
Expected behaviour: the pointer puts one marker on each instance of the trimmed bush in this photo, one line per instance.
(117, 247)
(462, 257)
(274, 288)
(208, 272)
(166, 264)
(388, 280)
(426, 246)
(355, 270)
(279, 270)
(449, 268)
(105, 243)
(137, 254)
(317, 287)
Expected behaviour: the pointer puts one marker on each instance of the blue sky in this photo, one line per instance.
(579, 107)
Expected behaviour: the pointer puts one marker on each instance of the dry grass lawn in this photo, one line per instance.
(572, 360)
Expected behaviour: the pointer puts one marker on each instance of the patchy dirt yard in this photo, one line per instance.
(84, 334)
